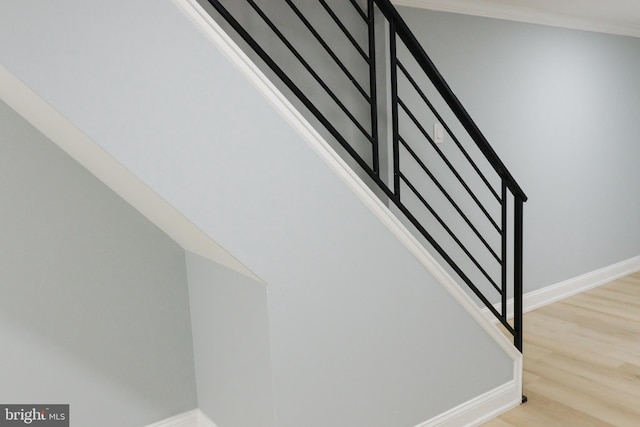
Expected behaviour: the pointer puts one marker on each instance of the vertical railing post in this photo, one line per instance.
(373, 86)
(504, 264)
(517, 272)
(394, 108)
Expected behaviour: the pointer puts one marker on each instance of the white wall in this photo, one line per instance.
(560, 107)
(94, 309)
(361, 333)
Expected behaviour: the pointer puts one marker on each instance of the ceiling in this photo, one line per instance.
(607, 16)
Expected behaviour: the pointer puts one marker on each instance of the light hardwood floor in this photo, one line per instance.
(582, 361)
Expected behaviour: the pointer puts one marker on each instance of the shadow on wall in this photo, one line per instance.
(94, 309)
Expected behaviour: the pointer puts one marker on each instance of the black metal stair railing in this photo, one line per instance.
(456, 196)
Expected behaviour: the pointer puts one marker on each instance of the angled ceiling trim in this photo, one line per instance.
(62, 132)
(521, 14)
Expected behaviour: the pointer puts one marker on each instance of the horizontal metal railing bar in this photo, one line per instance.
(448, 163)
(309, 69)
(456, 141)
(328, 49)
(447, 94)
(455, 238)
(294, 88)
(359, 9)
(412, 219)
(450, 199)
(344, 29)
(508, 327)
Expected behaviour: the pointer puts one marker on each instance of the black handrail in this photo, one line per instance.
(416, 49)
(400, 144)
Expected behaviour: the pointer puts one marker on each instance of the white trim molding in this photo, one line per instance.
(205, 421)
(194, 418)
(559, 291)
(24, 101)
(186, 419)
(481, 409)
(522, 13)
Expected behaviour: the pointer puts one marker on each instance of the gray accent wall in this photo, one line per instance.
(231, 345)
(94, 308)
(361, 334)
(561, 109)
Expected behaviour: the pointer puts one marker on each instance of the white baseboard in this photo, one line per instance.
(570, 287)
(470, 414)
(491, 404)
(204, 420)
(195, 418)
(480, 409)
(186, 419)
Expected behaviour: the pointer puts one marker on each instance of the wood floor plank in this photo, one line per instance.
(622, 310)
(579, 349)
(582, 361)
(498, 423)
(585, 386)
(616, 294)
(629, 371)
(595, 320)
(543, 411)
(619, 379)
(534, 351)
(593, 407)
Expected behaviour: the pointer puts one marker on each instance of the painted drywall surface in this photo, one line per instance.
(230, 324)
(559, 107)
(360, 333)
(94, 309)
